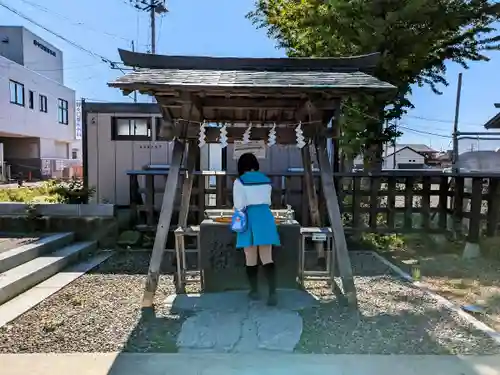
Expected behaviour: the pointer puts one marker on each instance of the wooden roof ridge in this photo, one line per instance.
(341, 64)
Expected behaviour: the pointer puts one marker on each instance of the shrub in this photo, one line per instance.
(73, 192)
(43, 192)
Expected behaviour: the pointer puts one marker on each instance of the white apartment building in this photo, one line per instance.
(37, 112)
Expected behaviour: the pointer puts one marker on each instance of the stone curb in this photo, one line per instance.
(57, 209)
(24, 302)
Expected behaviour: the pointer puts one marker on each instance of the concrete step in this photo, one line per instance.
(25, 253)
(21, 278)
(17, 306)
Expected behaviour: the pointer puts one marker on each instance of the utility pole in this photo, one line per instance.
(154, 7)
(455, 125)
(152, 16)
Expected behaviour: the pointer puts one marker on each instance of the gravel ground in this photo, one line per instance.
(463, 281)
(99, 312)
(394, 318)
(9, 243)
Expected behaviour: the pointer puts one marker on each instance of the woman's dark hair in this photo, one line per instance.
(246, 163)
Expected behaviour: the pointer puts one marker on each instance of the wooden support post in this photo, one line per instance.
(135, 198)
(458, 204)
(493, 206)
(426, 203)
(312, 197)
(332, 205)
(224, 181)
(408, 214)
(164, 224)
(443, 203)
(150, 199)
(475, 210)
(193, 154)
(391, 202)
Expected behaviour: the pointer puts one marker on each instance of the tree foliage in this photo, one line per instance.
(414, 38)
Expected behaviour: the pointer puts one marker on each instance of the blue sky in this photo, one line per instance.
(219, 28)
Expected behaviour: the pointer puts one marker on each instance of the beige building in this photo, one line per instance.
(118, 137)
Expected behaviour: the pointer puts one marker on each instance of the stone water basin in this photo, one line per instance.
(224, 266)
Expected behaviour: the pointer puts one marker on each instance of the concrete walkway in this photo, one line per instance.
(244, 364)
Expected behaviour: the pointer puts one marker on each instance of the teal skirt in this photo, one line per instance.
(261, 228)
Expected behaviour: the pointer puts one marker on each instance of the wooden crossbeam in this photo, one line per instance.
(283, 135)
(246, 103)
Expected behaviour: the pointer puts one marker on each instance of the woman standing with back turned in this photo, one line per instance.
(252, 194)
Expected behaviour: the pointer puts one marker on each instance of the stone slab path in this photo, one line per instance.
(245, 364)
(229, 323)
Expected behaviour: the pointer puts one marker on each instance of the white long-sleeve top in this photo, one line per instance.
(253, 188)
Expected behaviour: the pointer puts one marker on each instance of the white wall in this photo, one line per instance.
(11, 43)
(26, 122)
(50, 148)
(403, 156)
(38, 59)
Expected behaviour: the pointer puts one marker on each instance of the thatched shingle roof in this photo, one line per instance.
(155, 71)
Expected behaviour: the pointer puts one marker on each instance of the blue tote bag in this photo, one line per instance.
(239, 221)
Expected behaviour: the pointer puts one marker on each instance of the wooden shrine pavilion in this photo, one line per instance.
(263, 93)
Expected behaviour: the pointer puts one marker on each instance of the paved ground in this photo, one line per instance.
(245, 364)
(228, 322)
(15, 185)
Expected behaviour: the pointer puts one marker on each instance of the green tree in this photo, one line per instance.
(414, 38)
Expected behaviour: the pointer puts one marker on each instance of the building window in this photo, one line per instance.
(16, 93)
(131, 129)
(31, 99)
(62, 111)
(43, 103)
(74, 153)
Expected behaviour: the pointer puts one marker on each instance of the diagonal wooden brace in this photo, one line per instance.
(162, 230)
(332, 205)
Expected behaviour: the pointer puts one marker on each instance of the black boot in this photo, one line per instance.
(252, 273)
(272, 299)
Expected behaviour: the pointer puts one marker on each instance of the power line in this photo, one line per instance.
(112, 64)
(441, 120)
(398, 125)
(49, 70)
(425, 132)
(80, 24)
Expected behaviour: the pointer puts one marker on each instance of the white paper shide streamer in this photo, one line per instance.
(223, 137)
(299, 136)
(202, 138)
(247, 134)
(272, 136)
